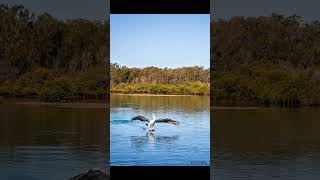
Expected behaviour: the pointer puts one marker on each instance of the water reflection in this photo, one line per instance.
(168, 145)
(37, 141)
(185, 103)
(265, 143)
(150, 137)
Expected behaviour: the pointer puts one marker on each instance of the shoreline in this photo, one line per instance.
(68, 105)
(258, 107)
(240, 107)
(103, 104)
(146, 94)
(93, 104)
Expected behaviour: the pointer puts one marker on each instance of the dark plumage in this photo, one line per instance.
(151, 123)
(140, 118)
(167, 120)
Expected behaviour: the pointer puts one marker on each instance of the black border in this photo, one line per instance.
(160, 172)
(160, 6)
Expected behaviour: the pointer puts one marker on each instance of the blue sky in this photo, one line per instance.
(162, 40)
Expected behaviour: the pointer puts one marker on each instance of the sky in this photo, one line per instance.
(66, 9)
(162, 40)
(307, 9)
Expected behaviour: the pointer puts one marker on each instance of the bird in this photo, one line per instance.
(154, 120)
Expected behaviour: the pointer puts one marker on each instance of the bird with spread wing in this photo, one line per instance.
(154, 120)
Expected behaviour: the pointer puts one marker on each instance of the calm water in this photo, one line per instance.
(266, 144)
(51, 142)
(168, 145)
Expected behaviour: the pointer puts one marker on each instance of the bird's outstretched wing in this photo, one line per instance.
(167, 120)
(140, 118)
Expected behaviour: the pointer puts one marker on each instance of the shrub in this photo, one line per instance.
(190, 88)
(59, 90)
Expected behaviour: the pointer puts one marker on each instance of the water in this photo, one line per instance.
(169, 145)
(265, 144)
(51, 142)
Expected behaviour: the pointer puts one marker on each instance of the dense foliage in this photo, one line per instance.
(153, 80)
(190, 88)
(50, 58)
(266, 60)
(54, 86)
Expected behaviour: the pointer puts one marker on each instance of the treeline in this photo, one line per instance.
(50, 58)
(266, 60)
(57, 86)
(154, 80)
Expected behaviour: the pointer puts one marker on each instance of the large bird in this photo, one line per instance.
(154, 120)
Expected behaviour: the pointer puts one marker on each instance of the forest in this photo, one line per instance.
(267, 60)
(52, 59)
(153, 80)
(58, 61)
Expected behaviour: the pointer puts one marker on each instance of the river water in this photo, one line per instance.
(185, 145)
(265, 143)
(51, 141)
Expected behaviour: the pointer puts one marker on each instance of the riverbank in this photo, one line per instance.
(188, 88)
(253, 105)
(238, 108)
(69, 105)
(146, 94)
(56, 86)
(85, 104)
(265, 85)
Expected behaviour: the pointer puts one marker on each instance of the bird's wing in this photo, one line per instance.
(140, 118)
(167, 120)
